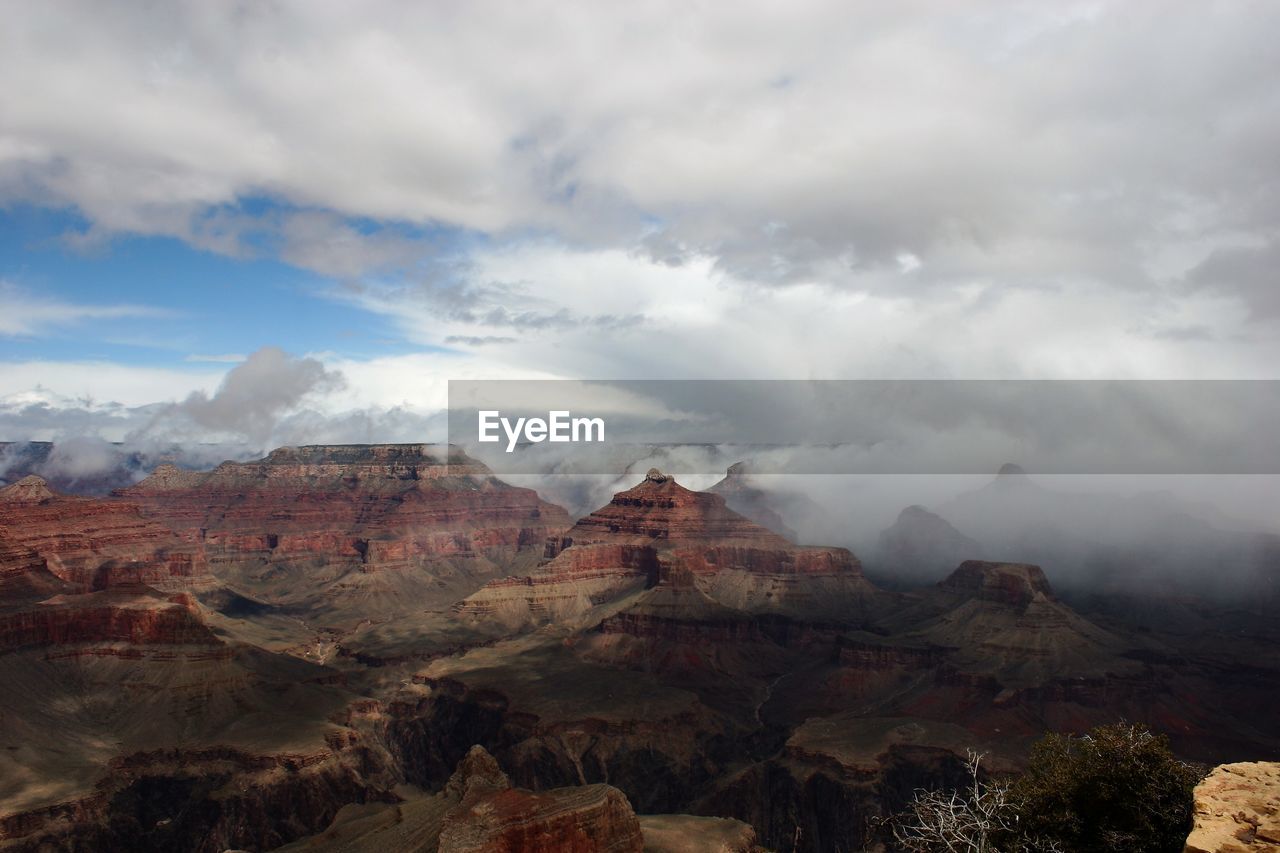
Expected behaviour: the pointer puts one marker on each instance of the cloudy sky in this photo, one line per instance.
(346, 205)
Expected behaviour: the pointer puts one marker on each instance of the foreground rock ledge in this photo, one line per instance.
(1237, 810)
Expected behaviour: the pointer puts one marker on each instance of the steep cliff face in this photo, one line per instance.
(23, 572)
(1237, 810)
(89, 571)
(97, 543)
(353, 531)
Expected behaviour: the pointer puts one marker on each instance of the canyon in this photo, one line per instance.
(386, 647)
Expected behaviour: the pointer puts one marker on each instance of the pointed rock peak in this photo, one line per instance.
(916, 520)
(30, 489)
(737, 469)
(165, 476)
(659, 508)
(167, 473)
(1006, 583)
(478, 773)
(657, 482)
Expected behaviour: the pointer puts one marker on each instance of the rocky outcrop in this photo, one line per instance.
(492, 817)
(479, 810)
(1237, 810)
(93, 571)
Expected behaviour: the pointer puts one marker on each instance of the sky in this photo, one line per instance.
(296, 221)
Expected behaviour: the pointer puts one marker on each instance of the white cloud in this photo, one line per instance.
(55, 382)
(664, 190)
(695, 320)
(23, 314)
(1007, 141)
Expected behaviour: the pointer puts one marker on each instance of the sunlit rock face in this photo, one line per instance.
(1237, 810)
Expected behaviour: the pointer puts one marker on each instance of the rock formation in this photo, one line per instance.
(302, 650)
(922, 546)
(352, 531)
(1237, 810)
(742, 497)
(479, 811)
(492, 817)
(659, 529)
(659, 508)
(97, 543)
(91, 571)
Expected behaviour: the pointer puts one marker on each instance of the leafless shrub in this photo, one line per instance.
(978, 818)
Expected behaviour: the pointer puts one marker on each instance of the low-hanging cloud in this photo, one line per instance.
(249, 403)
(271, 399)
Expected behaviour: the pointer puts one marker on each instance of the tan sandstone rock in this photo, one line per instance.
(1237, 810)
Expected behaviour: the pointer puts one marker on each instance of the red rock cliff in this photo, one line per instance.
(366, 506)
(97, 543)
